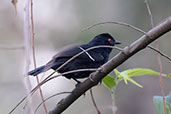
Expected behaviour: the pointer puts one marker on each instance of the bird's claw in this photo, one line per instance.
(90, 77)
(78, 83)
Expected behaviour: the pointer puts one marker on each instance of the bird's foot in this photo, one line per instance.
(78, 83)
(90, 77)
(100, 82)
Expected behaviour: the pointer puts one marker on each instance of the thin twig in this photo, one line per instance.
(161, 53)
(150, 14)
(94, 103)
(22, 100)
(68, 72)
(114, 22)
(34, 57)
(41, 83)
(161, 81)
(27, 82)
(158, 57)
(50, 98)
(114, 108)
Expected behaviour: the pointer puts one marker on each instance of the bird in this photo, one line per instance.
(89, 59)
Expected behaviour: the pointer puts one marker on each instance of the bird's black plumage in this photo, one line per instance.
(91, 59)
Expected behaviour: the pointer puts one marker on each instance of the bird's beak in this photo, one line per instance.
(117, 42)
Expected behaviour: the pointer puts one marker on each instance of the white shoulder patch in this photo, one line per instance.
(87, 54)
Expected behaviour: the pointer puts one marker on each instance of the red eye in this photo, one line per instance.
(109, 40)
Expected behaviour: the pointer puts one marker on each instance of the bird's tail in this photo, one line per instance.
(37, 71)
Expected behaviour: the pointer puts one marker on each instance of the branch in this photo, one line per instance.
(94, 103)
(159, 52)
(121, 57)
(26, 37)
(50, 98)
(114, 22)
(149, 13)
(34, 57)
(44, 81)
(158, 57)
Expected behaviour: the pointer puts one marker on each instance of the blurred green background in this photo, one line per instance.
(59, 23)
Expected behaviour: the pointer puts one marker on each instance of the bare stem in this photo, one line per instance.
(50, 98)
(158, 56)
(149, 12)
(34, 57)
(44, 81)
(161, 53)
(94, 103)
(114, 22)
(27, 53)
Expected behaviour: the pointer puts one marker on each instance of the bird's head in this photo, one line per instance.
(104, 39)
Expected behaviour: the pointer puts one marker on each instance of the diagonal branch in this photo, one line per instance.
(159, 52)
(114, 22)
(121, 57)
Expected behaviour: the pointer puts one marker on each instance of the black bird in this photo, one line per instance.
(91, 59)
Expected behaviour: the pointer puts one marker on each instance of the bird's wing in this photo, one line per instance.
(97, 57)
(67, 52)
(71, 51)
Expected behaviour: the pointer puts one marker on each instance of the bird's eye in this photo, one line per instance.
(109, 40)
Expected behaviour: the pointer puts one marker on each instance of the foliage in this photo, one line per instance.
(158, 102)
(126, 75)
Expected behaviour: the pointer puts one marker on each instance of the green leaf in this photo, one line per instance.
(125, 75)
(125, 80)
(119, 77)
(134, 82)
(168, 99)
(117, 72)
(158, 102)
(140, 71)
(169, 75)
(109, 81)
